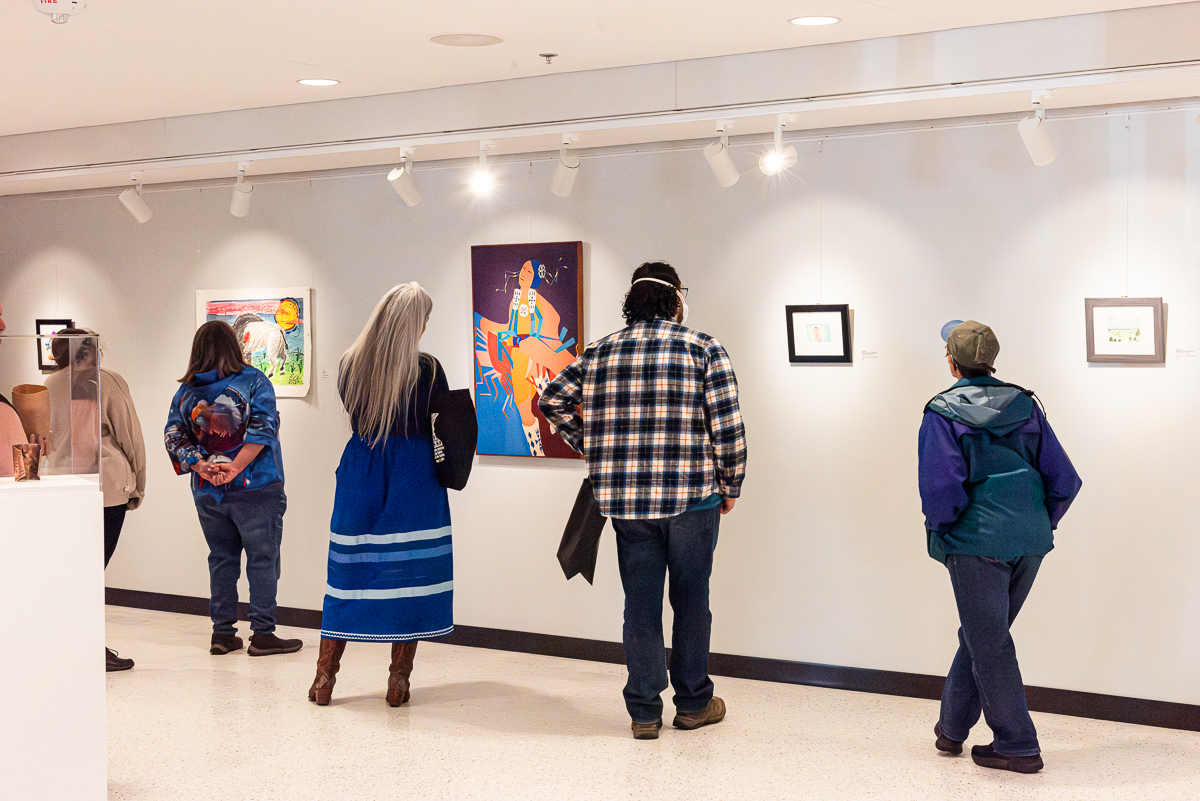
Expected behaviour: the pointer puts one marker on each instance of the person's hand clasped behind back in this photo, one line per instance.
(225, 473)
(207, 471)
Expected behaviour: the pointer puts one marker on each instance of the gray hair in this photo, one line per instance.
(379, 372)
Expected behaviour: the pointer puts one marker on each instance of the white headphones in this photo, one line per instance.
(682, 299)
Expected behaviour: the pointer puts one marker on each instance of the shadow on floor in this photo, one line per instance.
(500, 707)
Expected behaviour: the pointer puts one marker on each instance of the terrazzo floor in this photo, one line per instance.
(482, 724)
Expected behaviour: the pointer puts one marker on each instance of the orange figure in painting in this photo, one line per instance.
(520, 355)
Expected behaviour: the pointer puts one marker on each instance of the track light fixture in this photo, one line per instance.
(482, 180)
(1034, 133)
(717, 155)
(239, 203)
(402, 181)
(131, 199)
(566, 169)
(779, 158)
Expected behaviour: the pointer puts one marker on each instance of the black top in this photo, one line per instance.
(430, 382)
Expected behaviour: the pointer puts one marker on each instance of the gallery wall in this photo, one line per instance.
(823, 560)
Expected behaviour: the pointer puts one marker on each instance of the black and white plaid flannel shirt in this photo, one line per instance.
(659, 425)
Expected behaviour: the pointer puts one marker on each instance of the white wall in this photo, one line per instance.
(823, 560)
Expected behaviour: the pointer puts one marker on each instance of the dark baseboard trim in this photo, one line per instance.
(1116, 708)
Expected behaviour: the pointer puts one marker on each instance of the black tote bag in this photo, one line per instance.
(581, 539)
(455, 431)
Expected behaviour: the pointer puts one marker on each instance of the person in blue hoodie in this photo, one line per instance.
(223, 430)
(994, 484)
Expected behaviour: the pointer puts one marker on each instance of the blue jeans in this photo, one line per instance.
(249, 520)
(984, 675)
(646, 551)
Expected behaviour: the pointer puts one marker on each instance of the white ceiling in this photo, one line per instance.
(125, 60)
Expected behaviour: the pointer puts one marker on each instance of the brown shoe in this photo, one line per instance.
(646, 731)
(224, 643)
(268, 644)
(402, 665)
(986, 757)
(329, 661)
(114, 661)
(944, 743)
(713, 713)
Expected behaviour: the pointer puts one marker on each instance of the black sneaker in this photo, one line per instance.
(225, 643)
(944, 743)
(267, 644)
(986, 757)
(113, 661)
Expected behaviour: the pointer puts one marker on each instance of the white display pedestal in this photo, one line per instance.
(53, 739)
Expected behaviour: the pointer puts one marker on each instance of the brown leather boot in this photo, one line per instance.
(329, 660)
(402, 665)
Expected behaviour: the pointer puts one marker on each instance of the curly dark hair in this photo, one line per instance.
(649, 300)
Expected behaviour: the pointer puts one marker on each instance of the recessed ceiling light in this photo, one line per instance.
(466, 40)
(318, 82)
(814, 20)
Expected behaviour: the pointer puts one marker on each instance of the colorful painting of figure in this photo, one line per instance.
(528, 303)
(274, 327)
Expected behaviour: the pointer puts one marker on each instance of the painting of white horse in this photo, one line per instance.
(256, 334)
(274, 328)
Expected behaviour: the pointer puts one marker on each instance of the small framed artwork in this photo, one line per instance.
(1129, 330)
(46, 329)
(819, 334)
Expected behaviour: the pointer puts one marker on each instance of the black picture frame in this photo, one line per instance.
(805, 350)
(45, 330)
(1110, 351)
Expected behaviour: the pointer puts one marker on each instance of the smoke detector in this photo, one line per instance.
(59, 11)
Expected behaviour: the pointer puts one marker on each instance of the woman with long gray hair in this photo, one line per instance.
(390, 566)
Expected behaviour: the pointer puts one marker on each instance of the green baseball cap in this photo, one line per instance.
(973, 345)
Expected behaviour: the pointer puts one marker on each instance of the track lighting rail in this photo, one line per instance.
(947, 90)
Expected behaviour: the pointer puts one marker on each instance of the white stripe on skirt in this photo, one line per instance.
(399, 592)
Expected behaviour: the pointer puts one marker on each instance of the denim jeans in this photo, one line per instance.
(984, 675)
(646, 551)
(249, 520)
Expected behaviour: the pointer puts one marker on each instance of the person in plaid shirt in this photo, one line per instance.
(654, 409)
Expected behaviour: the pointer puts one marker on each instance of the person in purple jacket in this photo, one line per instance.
(994, 483)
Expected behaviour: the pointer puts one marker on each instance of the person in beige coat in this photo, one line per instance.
(120, 449)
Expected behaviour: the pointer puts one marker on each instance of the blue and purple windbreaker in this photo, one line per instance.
(994, 479)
